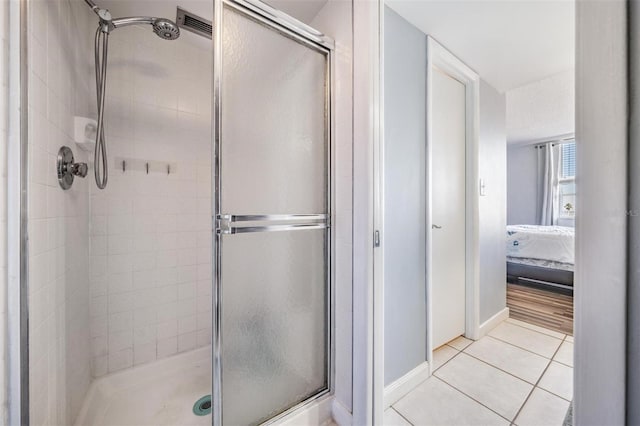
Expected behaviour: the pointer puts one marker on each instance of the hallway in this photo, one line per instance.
(518, 374)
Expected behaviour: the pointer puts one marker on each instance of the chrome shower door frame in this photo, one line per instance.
(223, 223)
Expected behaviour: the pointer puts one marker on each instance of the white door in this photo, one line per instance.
(448, 179)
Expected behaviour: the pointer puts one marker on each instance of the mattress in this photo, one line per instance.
(541, 263)
(540, 243)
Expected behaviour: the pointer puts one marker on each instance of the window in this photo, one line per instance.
(567, 181)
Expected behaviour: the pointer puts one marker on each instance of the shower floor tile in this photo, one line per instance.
(160, 393)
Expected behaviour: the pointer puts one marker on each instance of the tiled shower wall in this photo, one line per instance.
(151, 231)
(60, 54)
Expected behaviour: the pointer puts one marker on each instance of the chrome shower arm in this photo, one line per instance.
(92, 5)
(132, 20)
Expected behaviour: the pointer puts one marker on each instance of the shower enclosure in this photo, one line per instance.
(272, 206)
(205, 266)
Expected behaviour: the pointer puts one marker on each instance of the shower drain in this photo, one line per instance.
(202, 407)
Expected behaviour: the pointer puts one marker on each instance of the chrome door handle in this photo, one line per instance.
(436, 226)
(238, 224)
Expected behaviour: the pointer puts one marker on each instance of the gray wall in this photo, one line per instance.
(493, 205)
(404, 230)
(405, 196)
(522, 193)
(523, 183)
(601, 224)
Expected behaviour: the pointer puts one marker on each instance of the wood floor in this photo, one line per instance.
(540, 307)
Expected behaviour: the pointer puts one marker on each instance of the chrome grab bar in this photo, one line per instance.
(265, 217)
(233, 224)
(273, 228)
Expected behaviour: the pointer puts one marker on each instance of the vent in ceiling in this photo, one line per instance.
(194, 23)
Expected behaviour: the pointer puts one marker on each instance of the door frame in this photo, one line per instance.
(599, 392)
(438, 57)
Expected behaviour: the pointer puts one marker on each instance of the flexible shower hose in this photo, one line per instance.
(100, 154)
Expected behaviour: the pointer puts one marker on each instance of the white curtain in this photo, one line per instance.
(548, 172)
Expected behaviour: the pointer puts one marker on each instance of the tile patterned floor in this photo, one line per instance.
(519, 374)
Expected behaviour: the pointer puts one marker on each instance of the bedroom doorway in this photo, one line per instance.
(541, 213)
(477, 365)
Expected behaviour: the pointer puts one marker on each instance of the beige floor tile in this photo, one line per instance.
(497, 390)
(542, 408)
(558, 379)
(537, 328)
(460, 343)
(569, 338)
(443, 354)
(525, 338)
(392, 418)
(519, 362)
(436, 403)
(565, 354)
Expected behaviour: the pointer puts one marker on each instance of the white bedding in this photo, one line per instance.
(550, 264)
(554, 243)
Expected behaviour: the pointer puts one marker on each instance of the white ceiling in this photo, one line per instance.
(508, 42)
(156, 8)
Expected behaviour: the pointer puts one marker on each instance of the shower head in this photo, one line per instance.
(166, 29)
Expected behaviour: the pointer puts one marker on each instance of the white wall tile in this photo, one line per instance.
(154, 256)
(187, 341)
(120, 360)
(167, 347)
(61, 289)
(144, 353)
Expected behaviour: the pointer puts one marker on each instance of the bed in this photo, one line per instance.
(541, 256)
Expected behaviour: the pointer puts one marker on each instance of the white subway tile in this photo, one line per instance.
(120, 302)
(98, 306)
(144, 334)
(120, 282)
(144, 353)
(120, 360)
(121, 321)
(120, 341)
(167, 347)
(186, 341)
(204, 337)
(187, 324)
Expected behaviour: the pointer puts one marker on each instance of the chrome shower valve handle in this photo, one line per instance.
(68, 168)
(79, 169)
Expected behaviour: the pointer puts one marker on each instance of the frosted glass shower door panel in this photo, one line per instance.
(274, 303)
(273, 218)
(273, 128)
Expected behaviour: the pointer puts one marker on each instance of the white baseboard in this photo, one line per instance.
(492, 322)
(341, 414)
(405, 384)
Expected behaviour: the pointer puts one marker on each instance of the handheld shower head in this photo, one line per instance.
(166, 29)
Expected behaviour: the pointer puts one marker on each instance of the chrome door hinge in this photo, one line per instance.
(376, 238)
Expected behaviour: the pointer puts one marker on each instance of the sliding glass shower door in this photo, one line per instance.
(272, 169)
